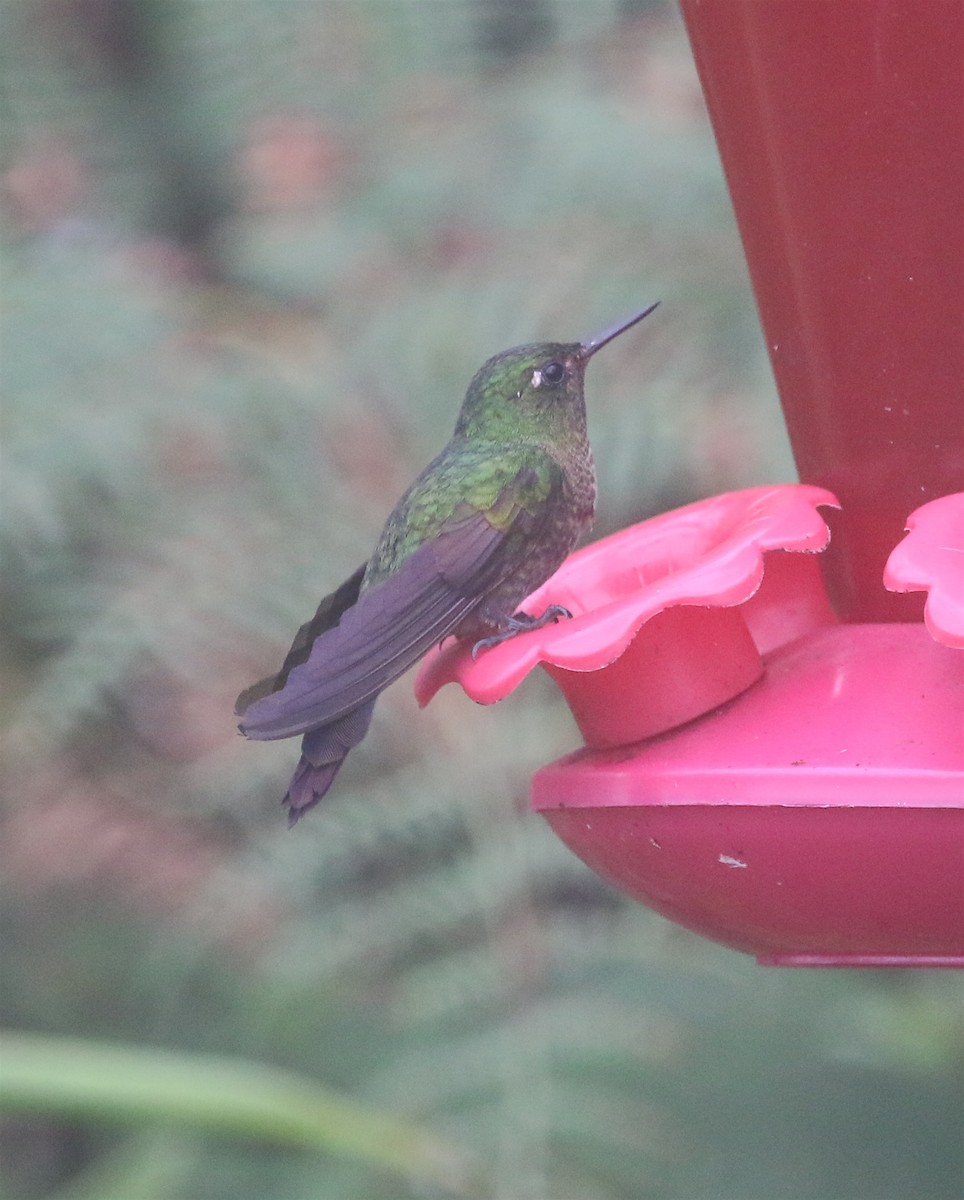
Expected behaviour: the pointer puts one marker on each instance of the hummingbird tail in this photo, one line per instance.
(322, 753)
(308, 785)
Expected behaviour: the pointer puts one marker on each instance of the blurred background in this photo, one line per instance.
(252, 252)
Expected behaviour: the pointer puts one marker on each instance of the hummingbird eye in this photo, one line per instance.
(552, 373)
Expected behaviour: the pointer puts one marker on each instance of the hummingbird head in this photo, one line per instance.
(534, 392)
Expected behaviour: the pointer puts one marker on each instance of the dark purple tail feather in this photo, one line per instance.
(308, 785)
(322, 753)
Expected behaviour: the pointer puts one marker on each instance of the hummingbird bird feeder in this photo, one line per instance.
(771, 696)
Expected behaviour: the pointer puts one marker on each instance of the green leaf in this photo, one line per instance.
(97, 1081)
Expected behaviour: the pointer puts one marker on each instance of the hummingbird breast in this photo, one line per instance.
(569, 516)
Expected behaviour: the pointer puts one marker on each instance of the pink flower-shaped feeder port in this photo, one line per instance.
(669, 617)
(931, 559)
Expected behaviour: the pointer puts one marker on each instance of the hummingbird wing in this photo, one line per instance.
(328, 614)
(396, 620)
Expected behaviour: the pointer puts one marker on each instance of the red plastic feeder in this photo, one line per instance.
(786, 784)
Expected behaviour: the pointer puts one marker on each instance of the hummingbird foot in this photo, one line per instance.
(521, 622)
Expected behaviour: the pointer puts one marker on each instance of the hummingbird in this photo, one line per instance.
(486, 523)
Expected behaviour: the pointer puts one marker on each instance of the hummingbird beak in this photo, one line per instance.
(588, 349)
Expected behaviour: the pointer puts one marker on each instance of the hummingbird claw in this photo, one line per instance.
(553, 613)
(521, 622)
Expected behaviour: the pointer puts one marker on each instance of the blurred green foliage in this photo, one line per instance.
(251, 254)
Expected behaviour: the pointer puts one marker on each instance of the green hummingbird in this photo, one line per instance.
(486, 523)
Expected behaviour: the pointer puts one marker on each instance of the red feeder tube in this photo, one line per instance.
(840, 126)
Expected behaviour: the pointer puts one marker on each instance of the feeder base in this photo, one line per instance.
(816, 820)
